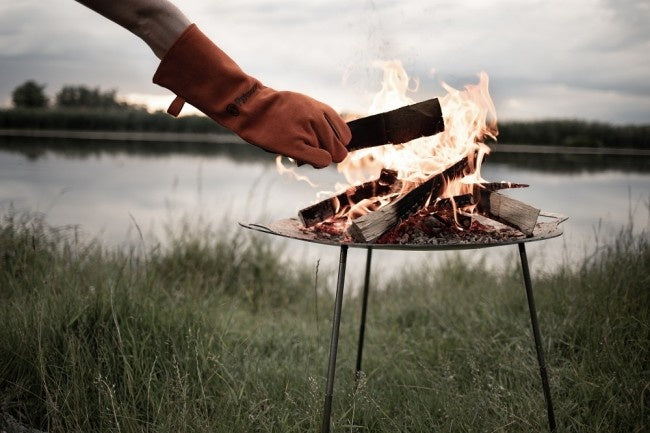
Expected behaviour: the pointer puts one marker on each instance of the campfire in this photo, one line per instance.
(424, 191)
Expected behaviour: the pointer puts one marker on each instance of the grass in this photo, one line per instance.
(222, 332)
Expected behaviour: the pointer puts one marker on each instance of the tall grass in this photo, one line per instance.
(219, 332)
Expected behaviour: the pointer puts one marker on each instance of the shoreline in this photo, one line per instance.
(222, 138)
(572, 150)
(185, 137)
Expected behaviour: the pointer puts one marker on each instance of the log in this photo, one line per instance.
(495, 186)
(469, 199)
(443, 208)
(397, 126)
(323, 210)
(509, 211)
(369, 227)
(385, 184)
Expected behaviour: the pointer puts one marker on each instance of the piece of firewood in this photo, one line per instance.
(464, 200)
(509, 211)
(397, 126)
(369, 227)
(469, 199)
(495, 186)
(319, 212)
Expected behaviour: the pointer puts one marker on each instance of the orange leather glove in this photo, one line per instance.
(288, 123)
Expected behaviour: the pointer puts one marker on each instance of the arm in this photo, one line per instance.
(198, 72)
(157, 22)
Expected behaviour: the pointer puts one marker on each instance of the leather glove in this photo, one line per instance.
(288, 123)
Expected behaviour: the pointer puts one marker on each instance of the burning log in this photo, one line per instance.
(464, 200)
(449, 211)
(370, 227)
(319, 212)
(509, 211)
(397, 126)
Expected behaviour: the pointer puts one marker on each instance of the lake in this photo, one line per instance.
(114, 190)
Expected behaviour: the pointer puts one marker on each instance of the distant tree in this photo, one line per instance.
(30, 94)
(84, 97)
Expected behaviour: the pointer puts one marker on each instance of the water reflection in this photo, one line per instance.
(107, 188)
(35, 148)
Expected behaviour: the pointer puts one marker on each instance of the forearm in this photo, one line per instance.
(157, 22)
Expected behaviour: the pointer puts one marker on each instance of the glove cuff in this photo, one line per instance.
(198, 72)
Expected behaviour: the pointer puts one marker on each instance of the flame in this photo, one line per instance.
(282, 169)
(469, 116)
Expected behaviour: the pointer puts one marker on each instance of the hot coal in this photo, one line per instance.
(427, 228)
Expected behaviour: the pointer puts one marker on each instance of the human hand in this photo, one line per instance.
(287, 123)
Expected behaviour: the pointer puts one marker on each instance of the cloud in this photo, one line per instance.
(590, 49)
(559, 101)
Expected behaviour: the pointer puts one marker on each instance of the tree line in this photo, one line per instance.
(574, 133)
(31, 95)
(81, 107)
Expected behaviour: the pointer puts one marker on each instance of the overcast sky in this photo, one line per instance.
(587, 59)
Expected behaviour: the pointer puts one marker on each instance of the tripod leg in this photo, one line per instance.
(537, 336)
(334, 341)
(364, 308)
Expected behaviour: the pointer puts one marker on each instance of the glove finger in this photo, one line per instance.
(329, 137)
(341, 128)
(304, 153)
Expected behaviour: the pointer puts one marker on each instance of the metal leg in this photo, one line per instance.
(364, 307)
(334, 341)
(537, 336)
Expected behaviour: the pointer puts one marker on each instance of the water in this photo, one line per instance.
(115, 191)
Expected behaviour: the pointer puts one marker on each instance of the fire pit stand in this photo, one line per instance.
(291, 228)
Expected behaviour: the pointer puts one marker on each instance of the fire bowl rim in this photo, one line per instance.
(290, 228)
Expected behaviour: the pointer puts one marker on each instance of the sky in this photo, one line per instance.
(578, 59)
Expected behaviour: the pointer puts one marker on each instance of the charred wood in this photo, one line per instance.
(464, 200)
(495, 186)
(371, 226)
(397, 126)
(321, 211)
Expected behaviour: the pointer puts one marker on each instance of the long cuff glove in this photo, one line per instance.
(287, 123)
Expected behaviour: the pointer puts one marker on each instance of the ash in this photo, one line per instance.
(431, 229)
(427, 229)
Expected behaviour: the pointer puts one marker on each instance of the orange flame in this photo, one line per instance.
(282, 169)
(469, 117)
